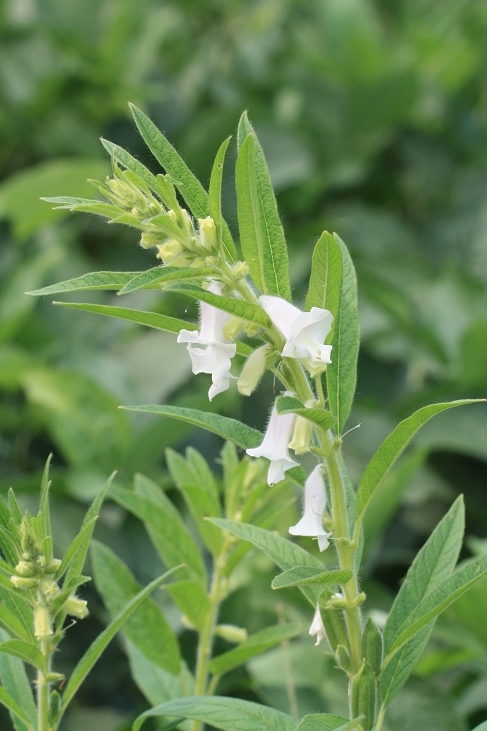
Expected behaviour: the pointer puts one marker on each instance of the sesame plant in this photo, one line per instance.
(38, 603)
(244, 298)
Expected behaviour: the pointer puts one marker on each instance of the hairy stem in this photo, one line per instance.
(43, 689)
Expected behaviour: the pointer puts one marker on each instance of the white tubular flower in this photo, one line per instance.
(317, 628)
(216, 357)
(274, 446)
(311, 524)
(304, 332)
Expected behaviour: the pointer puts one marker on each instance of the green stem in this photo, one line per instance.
(341, 532)
(43, 689)
(205, 643)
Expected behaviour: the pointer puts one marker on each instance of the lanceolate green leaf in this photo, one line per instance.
(241, 434)
(341, 375)
(147, 628)
(285, 554)
(98, 646)
(88, 282)
(255, 645)
(215, 190)
(261, 233)
(239, 308)
(305, 575)
(13, 624)
(160, 274)
(26, 651)
(393, 446)
(326, 277)
(149, 319)
(432, 565)
(228, 714)
(188, 185)
(14, 708)
(319, 417)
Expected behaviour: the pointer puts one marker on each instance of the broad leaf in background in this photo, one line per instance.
(324, 722)
(433, 564)
(341, 375)
(15, 682)
(147, 628)
(227, 714)
(262, 235)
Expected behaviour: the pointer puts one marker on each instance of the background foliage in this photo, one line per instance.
(373, 117)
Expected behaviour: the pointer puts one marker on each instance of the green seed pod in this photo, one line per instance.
(372, 645)
(363, 693)
(333, 621)
(342, 656)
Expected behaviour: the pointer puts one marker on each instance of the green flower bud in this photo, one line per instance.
(26, 568)
(21, 583)
(232, 328)
(363, 693)
(208, 233)
(49, 588)
(149, 240)
(333, 620)
(302, 433)
(76, 607)
(253, 370)
(170, 252)
(42, 622)
(342, 657)
(231, 633)
(372, 645)
(240, 270)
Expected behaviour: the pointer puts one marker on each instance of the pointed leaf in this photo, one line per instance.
(44, 500)
(147, 628)
(237, 307)
(285, 554)
(319, 417)
(149, 319)
(254, 645)
(125, 159)
(438, 600)
(341, 375)
(305, 575)
(98, 646)
(13, 678)
(261, 233)
(215, 190)
(88, 282)
(326, 277)
(188, 184)
(13, 624)
(394, 445)
(227, 714)
(433, 564)
(161, 274)
(241, 434)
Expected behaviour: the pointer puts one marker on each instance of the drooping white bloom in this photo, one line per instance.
(216, 357)
(305, 332)
(311, 524)
(317, 628)
(275, 446)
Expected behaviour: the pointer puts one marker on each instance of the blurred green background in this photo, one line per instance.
(373, 117)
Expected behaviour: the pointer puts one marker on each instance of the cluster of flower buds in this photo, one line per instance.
(36, 575)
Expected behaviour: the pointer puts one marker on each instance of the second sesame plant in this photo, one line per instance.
(312, 352)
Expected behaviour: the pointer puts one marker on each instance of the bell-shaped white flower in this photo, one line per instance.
(216, 356)
(311, 524)
(305, 332)
(275, 446)
(317, 628)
